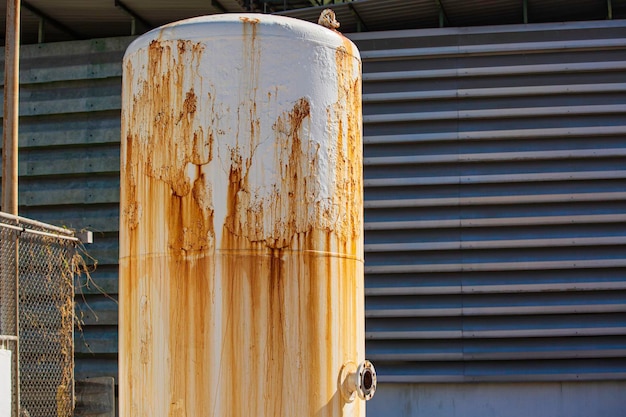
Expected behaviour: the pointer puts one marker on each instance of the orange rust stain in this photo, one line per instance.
(347, 111)
(250, 20)
(249, 85)
(190, 103)
(166, 208)
(284, 340)
(182, 47)
(281, 293)
(190, 292)
(289, 209)
(173, 138)
(274, 283)
(288, 297)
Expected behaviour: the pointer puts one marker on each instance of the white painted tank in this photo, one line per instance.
(241, 230)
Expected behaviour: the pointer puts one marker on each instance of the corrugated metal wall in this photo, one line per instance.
(496, 202)
(495, 196)
(70, 99)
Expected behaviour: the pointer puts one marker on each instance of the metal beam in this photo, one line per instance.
(609, 11)
(443, 17)
(525, 10)
(360, 23)
(216, 4)
(62, 27)
(119, 4)
(41, 33)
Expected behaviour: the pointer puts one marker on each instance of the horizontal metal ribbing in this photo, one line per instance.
(542, 30)
(34, 75)
(494, 334)
(496, 156)
(578, 45)
(495, 200)
(496, 266)
(494, 92)
(496, 244)
(92, 194)
(494, 135)
(466, 288)
(493, 310)
(496, 178)
(497, 222)
(534, 147)
(438, 355)
(496, 71)
(512, 349)
(502, 113)
(70, 105)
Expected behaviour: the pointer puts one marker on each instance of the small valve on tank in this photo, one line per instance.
(357, 381)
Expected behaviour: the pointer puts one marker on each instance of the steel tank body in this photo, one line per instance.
(241, 220)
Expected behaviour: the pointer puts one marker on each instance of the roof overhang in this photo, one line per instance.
(61, 20)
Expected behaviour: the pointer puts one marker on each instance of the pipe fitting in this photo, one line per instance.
(357, 381)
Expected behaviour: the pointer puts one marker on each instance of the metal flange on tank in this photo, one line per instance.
(357, 381)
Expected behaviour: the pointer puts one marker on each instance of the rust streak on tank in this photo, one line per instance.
(190, 208)
(291, 205)
(259, 321)
(190, 103)
(165, 186)
(349, 168)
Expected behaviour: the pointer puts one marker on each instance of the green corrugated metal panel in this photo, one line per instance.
(69, 170)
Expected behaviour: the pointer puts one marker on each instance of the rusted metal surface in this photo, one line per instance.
(241, 235)
(11, 108)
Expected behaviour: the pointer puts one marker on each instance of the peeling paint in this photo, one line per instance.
(241, 253)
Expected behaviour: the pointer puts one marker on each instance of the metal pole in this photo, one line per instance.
(443, 18)
(41, 33)
(9, 153)
(11, 110)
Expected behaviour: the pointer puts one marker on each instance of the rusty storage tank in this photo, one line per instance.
(241, 229)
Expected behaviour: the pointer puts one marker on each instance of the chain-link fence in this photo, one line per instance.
(37, 315)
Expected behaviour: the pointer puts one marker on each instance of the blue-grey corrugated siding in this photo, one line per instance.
(495, 202)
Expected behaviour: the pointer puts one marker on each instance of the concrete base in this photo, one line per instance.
(545, 399)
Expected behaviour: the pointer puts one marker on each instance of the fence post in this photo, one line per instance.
(11, 108)
(9, 153)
